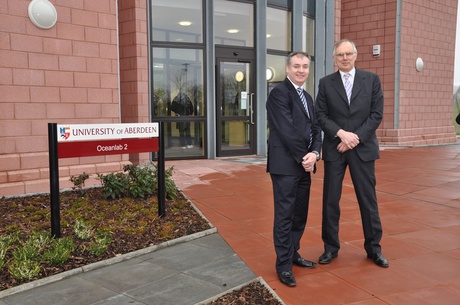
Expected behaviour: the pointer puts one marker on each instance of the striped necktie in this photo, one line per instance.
(303, 99)
(348, 86)
(304, 102)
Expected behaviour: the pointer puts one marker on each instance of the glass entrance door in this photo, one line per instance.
(235, 103)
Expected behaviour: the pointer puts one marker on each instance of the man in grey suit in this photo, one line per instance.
(349, 108)
(294, 144)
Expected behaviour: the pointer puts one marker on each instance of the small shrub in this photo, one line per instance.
(170, 185)
(39, 239)
(24, 269)
(59, 251)
(137, 182)
(141, 181)
(5, 244)
(99, 245)
(31, 248)
(82, 230)
(114, 185)
(79, 182)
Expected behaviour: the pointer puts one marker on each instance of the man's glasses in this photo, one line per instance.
(348, 54)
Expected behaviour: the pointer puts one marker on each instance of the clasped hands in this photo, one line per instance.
(349, 140)
(308, 162)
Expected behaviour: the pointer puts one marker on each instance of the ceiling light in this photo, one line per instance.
(232, 31)
(269, 35)
(185, 23)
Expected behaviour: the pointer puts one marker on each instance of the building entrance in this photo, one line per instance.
(235, 102)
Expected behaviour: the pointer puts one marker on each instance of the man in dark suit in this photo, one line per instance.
(349, 124)
(294, 144)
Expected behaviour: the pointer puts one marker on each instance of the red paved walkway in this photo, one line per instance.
(419, 197)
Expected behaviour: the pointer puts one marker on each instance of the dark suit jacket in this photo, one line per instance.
(289, 130)
(361, 117)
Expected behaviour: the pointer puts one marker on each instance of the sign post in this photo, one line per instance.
(82, 140)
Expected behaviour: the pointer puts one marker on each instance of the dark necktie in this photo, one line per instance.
(303, 99)
(304, 102)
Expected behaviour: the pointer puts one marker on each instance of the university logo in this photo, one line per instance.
(64, 132)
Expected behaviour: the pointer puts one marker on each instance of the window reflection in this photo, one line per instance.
(184, 139)
(177, 98)
(278, 29)
(177, 72)
(177, 21)
(309, 42)
(233, 23)
(277, 64)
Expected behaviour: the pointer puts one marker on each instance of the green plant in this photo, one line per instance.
(82, 230)
(31, 248)
(99, 245)
(5, 243)
(24, 269)
(137, 182)
(59, 251)
(114, 185)
(141, 181)
(79, 182)
(170, 185)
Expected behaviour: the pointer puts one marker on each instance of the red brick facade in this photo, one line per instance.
(67, 74)
(424, 114)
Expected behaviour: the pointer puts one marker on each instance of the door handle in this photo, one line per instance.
(251, 107)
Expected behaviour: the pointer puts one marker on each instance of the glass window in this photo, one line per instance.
(309, 42)
(178, 99)
(278, 29)
(233, 23)
(276, 70)
(177, 21)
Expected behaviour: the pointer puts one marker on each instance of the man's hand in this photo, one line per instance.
(309, 161)
(349, 140)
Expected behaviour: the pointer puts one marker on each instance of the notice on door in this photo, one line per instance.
(244, 100)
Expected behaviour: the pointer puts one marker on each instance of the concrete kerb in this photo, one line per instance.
(110, 261)
(259, 279)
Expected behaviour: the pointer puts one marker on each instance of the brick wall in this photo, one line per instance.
(67, 74)
(134, 71)
(425, 98)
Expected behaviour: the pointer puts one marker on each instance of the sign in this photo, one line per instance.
(90, 132)
(107, 147)
(78, 140)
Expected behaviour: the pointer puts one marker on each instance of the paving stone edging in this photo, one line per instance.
(258, 279)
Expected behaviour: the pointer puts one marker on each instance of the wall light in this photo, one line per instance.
(419, 64)
(232, 31)
(42, 13)
(269, 74)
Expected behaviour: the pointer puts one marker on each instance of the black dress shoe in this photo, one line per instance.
(287, 278)
(327, 257)
(379, 259)
(301, 262)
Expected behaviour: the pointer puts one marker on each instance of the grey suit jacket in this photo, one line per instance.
(289, 130)
(362, 116)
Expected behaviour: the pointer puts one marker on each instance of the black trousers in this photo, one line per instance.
(291, 200)
(363, 177)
